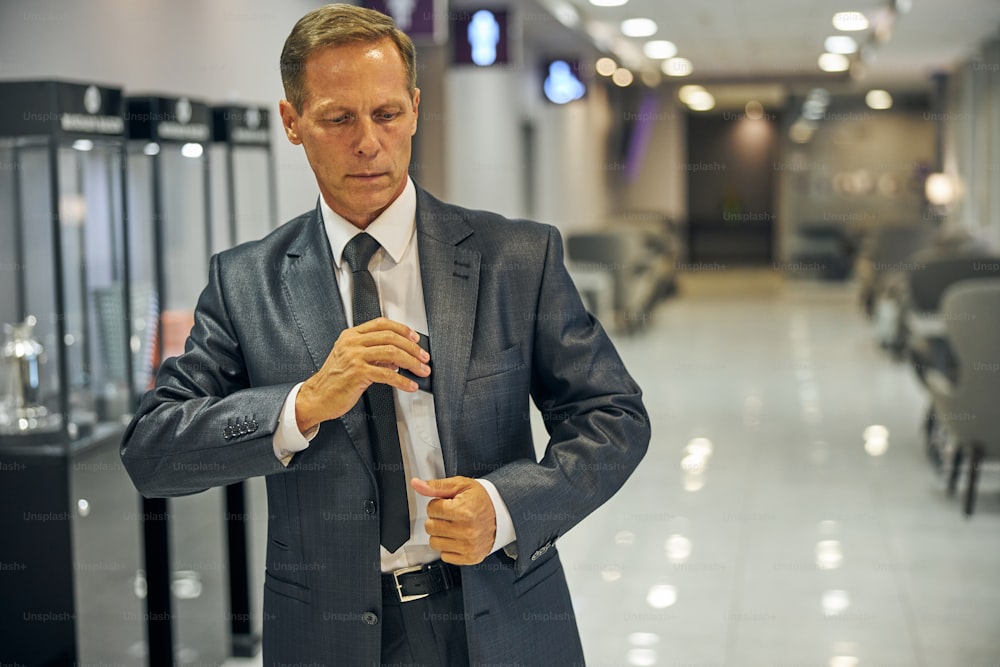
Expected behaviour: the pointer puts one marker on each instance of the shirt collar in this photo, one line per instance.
(393, 229)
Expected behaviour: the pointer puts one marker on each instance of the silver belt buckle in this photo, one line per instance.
(399, 586)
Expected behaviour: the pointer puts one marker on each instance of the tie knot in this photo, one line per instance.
(359, 250)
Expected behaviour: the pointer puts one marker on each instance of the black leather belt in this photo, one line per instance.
(414, 583)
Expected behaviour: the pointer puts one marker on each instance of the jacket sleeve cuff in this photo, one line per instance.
(505, 537)
(288, 440)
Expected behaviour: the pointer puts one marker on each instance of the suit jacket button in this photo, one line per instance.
(369, 507)
(369, 618)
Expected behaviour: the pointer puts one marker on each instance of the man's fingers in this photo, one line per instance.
(384, 323)
(390, 356)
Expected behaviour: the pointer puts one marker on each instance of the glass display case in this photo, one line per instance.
(71, 550)
(63, 359)
(169, 222)
(244, 207)
(168, 182)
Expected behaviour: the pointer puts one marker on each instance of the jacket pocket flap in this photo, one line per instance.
(286, 588)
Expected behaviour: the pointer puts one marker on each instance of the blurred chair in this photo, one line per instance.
(921, 330)
(640, 268)
(894, 302)
(882, 255)
(829, 247)
(967, 404)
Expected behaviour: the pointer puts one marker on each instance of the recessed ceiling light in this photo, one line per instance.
(677, 67)
(850, 21)
(878, 99)
(659, 49)
(566, 14)
(605, 66)
(623, 77)
(684, 93)
(608, 3)
(843, 44)
(651, 77)
(640, 27)
(834, 62)
(701, 101)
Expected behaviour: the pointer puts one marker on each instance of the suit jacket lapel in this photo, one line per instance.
(450, 279)
(310, 286)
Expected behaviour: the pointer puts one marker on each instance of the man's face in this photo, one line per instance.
(355, 126)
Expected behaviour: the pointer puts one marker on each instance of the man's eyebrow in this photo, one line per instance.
(330, 106)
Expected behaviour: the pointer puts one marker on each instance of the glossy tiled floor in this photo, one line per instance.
(770, 523)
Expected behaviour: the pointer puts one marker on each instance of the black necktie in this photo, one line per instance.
(394, 513)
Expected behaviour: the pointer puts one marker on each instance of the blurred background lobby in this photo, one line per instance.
(785, 212)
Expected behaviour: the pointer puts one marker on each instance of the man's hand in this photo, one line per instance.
(370, 352)
(460, 520)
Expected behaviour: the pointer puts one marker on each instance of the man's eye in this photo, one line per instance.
(387, 115)
(337, 120)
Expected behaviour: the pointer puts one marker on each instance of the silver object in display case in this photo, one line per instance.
(22, 357)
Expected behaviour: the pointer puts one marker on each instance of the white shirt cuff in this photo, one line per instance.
(505, 525)
(287, 438)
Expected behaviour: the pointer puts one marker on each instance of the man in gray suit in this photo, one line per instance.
(474, 314)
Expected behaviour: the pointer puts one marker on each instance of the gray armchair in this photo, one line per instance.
(968, 405)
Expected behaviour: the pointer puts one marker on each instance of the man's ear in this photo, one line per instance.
(290, 121)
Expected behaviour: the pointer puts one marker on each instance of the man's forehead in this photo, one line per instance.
(357, 52)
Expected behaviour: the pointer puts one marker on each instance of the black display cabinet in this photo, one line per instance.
(244, 209)
(169, 222)
(70, 576)
(243, 193)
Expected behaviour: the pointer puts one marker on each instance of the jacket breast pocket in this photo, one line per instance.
(496, 408)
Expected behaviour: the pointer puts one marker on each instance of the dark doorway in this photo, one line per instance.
(731, 186)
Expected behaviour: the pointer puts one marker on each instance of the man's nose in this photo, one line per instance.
(366, 141)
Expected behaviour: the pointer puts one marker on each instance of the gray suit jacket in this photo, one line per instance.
(505, 323)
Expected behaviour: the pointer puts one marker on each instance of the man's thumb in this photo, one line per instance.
(449, 487)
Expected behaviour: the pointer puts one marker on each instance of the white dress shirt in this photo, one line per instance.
(396, 270)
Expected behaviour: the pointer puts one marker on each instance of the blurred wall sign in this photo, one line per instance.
(562, 83)
(422, 20)
(480, 36)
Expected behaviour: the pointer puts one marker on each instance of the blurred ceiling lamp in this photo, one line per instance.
(684, 93)
(754, 110)
(605, 66)
(834, 62)
(842, 44)
(651, 78)
(701, 101)
(677, 67)
(622, 77)
(939, 188)
(659, 49)
(608, 3)
(566, 14)
(638, 27)
(850, 21)
(878, 99)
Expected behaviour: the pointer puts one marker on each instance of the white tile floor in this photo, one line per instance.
(763, 527)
